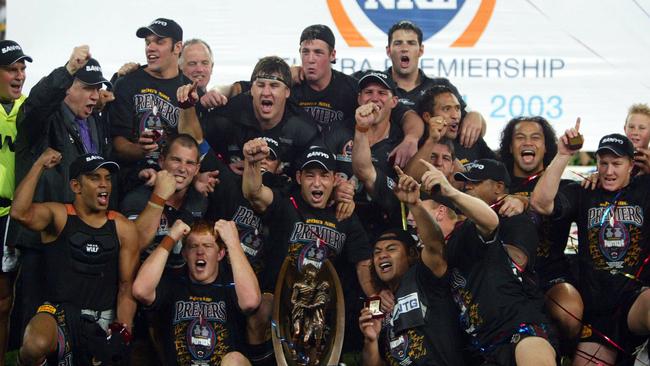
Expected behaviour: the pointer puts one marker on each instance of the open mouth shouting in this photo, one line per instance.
(385, 266)
(200, 264)
(267, 105)
(404, 62)
(317, 195)
(102, 198)
(528, 156)
(152, 58)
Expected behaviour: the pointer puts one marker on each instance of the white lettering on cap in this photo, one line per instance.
(93, 157)
(93, 68)
(471, 166)
(318, 153)
(376, 74)
(612, 139)
(11, 48)
(164, 24)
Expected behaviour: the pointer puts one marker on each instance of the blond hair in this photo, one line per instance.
(639, 108)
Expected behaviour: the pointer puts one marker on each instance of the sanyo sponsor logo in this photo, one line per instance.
(164, 24)
(93, 68)
(472, 166)
(410, 4)
(11, 48)
(318, 153)
(93, 157)
(612, 139)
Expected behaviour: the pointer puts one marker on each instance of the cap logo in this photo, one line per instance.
(378, 75)
(612, 139)
(93, 68)
(164, 24)
(475, 166)
(14, 47)
(93, 157)
(318, 153)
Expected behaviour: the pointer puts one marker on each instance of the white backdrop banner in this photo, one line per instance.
(555, 58)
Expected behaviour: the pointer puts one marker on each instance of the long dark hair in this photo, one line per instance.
(550, 140)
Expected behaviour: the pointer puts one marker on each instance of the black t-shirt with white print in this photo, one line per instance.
(612, 240)
(492, 299)
(227, 202)
(435, 339)
(202, 322)
(311, 235)
(145, 102)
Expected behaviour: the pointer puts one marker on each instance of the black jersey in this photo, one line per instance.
(228, 202)
(410, 98)
(311, 235)
(145, 102)
(337, 102)
(203, 321)
(229, 128)
(480, 150)
(82, 264)
(553, 233)
(492, 299)
(422, 329)
(612, 239)
(194, 207)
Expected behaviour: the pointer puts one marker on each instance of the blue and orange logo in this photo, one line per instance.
(430, 15)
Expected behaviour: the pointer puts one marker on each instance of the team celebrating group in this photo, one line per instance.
(145, 219)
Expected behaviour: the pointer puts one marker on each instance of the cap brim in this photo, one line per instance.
(143, 32)
(464, 177)
(315, 162)
(95, 82)
(23, 57)
(111, 166)
(609, 149)
(368, 78)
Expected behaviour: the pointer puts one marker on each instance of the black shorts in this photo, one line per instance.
(8, 254)
(504, 353)
(614, 326)
(64, 345)
(550, 274)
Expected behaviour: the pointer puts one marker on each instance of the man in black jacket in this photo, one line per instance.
(59, 113)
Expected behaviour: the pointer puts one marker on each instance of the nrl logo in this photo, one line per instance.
(430, 15)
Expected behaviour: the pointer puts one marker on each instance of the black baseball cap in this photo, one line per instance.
(91, 74)
(89, 163)
(396, 234)
(318, 31)
(379, 77)
(162, 27)
(319, 156)
(617, 144)
(482, 169)
(273, 145)
(11, 52)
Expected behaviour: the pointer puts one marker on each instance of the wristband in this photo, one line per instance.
(156, 199)
(155, 205)
(167, 243)
(361, 129)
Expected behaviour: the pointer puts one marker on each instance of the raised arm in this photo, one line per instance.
(246, 286)
(148, 220)
(189, 122)
(437, 126)
(36, 216)
(128, 265)
(148, 278)
(475, 209)
(407, 191)
(259, 195)
(46, 96)
(413, 128)
(362, 166)
(542, 199)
